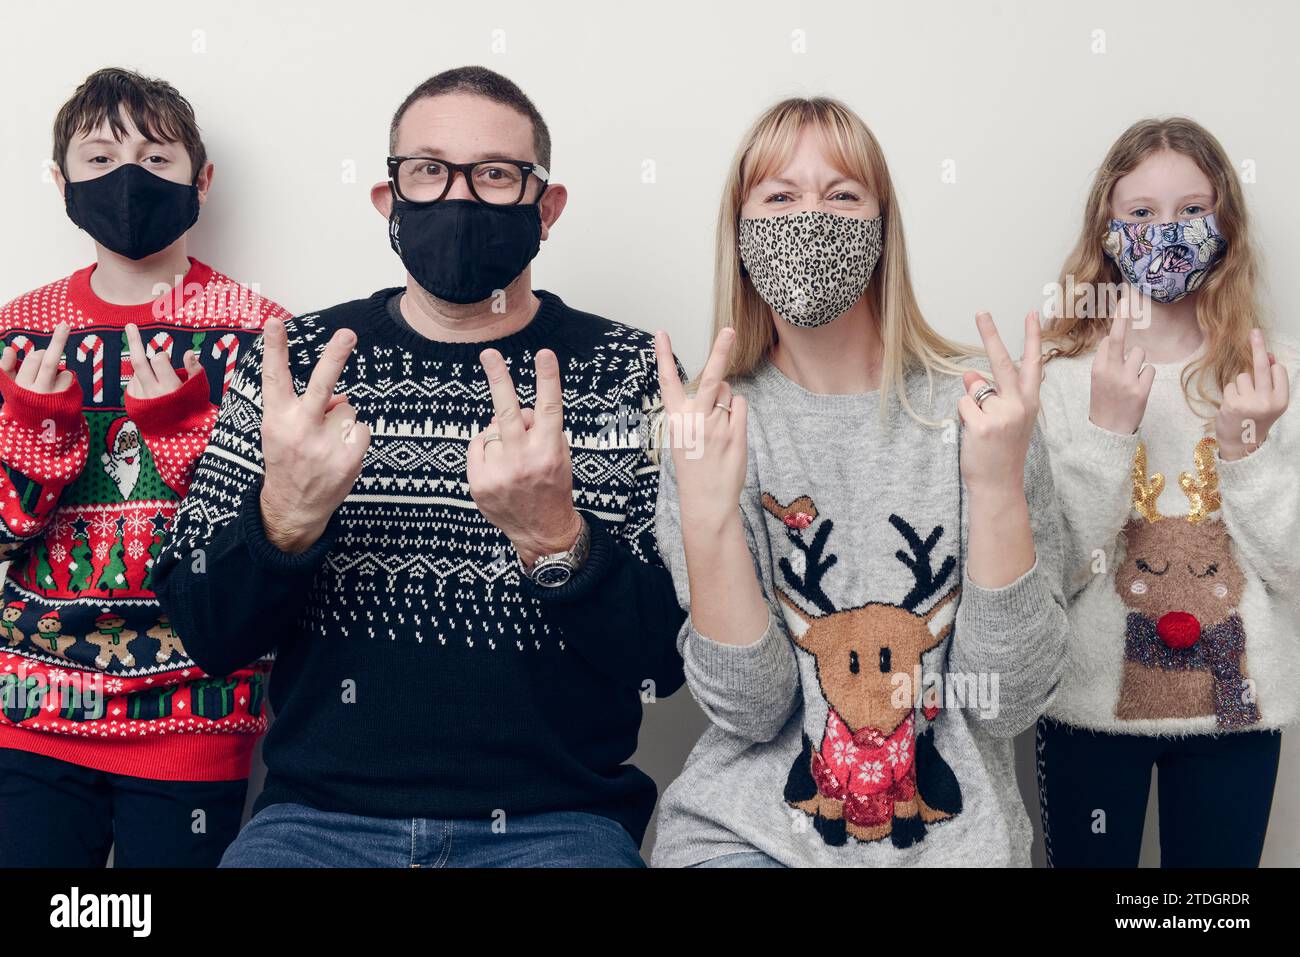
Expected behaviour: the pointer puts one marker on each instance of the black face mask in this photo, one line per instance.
(132, 211)
(463, 251)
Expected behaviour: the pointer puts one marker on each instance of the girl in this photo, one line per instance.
(1180, 487)
(881, 613)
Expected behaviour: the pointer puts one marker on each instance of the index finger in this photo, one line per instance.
(276, 387)
(325, 377)
(1004, 370)
(671, 390)
(505, 401)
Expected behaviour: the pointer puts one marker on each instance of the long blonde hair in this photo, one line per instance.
(1226, 305)
(767, 148)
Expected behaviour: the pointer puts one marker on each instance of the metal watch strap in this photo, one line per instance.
(557, 568)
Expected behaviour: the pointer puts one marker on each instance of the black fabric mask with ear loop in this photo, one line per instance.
(461, 250)
(132, 211)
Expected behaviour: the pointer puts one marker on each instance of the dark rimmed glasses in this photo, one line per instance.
(427, 179)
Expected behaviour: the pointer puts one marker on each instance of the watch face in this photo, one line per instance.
(553, 576)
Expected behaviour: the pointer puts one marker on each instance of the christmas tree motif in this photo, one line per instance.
(155, 550)
(114, 576)
(81, 567)
(196, 341)
(42, 573)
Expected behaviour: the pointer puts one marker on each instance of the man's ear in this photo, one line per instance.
(381, 195)
(551, 206)
(204, 182)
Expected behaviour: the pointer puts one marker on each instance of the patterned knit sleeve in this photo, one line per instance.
(44, 442)
(619, 610)
(231, 594)
(175, 427)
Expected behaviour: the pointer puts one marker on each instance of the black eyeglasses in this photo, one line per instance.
(427, 179)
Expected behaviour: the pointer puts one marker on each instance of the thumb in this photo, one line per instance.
(192, 364)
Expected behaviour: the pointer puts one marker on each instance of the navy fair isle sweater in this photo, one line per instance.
(418, 673)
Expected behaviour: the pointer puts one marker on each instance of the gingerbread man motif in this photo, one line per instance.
(168, 640)
(9, 623)
(112, 638)
(49, 635)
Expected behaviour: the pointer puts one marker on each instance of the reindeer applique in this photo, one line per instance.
(1184, 645)
(871, 776)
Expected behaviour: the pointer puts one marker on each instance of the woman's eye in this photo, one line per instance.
(777, 198)
(844, 197)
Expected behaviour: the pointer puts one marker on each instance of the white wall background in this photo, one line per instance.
(1022, 97)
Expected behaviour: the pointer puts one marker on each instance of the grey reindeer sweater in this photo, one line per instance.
(871, 724)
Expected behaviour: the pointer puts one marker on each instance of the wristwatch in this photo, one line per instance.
(558, 568)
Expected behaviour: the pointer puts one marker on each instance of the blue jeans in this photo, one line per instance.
(295, 835)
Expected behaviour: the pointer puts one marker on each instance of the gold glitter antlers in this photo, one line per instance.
(1202, 490)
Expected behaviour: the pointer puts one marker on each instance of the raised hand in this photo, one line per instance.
(1252, 403)
(312, 445)
(995, 439)
(1121, 384)
(706, 433)
(155, 377)
(39, 371)
(519, 470)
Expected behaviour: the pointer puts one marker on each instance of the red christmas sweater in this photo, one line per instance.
(91, 671)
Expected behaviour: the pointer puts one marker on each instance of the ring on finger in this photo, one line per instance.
(982, 392)
(725, 407)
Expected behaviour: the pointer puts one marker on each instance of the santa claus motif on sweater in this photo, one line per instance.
(122, 460)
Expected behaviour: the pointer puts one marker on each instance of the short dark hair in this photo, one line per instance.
(479, 81)
(158, 111)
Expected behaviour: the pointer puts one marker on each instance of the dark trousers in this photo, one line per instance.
(57, 814)
(1215, 793)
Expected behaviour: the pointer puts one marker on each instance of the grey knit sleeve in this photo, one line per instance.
(1016, 635)
(747, 690)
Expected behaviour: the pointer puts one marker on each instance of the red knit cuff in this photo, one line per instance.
(179, 411)
(33, 409)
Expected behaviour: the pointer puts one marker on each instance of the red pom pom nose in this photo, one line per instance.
(1178, 629)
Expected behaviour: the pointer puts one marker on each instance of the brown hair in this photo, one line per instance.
(1226, 305)
(479, 81)
(909, 341)
(115, 95)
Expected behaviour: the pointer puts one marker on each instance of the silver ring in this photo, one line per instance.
(983, 392)
(491, 437)
(724, 408)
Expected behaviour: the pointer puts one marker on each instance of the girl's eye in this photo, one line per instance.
(1194, 211)
(1142, 213)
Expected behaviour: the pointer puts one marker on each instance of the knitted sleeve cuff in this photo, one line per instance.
(179, 411)
(1107, 448)
(1253, 471)
(33, 409)
(269, 556)
(1013, 607)
(599, 558)
(736, 666)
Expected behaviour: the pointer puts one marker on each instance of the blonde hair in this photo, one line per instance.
(767, 148)
(1226, 305)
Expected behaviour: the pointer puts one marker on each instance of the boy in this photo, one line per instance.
(110, 736)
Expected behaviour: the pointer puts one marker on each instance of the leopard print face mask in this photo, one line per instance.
(810, 267)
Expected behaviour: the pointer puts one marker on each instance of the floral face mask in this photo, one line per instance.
(1167, 261)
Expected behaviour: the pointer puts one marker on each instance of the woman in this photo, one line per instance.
(1180, 488)
(882, 612)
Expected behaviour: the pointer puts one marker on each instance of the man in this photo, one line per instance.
(465, 611)
(110, 737)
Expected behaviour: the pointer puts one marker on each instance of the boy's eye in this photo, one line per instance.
(100, 160)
